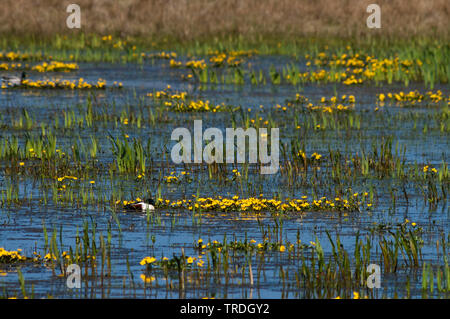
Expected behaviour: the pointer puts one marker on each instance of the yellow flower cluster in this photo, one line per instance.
(126, 202)
(413, 97)
(428, 169)
(147, 261)
(193, 64)
(60, 179)
(63, 84)
(10, 256)
(222, 59)
(219, 59)
(314, 156)
(14, 56)
(352, 80)
(330, 108)
(196, 106)
(12, 66)
(172, 178)
(160, 55)
(65, 255)
(244, 246)
(329, 104)
(117, 45)
(175, 64)
(235, 204)
(236, 173)
(169, 263)
(360, 67)
(320, 75)
(355, 296)
(360, 61)
(278, 106)
(107, 38)
(166, 94)
(55, 66)
(49, 257)
(301, 154)
(196, 64)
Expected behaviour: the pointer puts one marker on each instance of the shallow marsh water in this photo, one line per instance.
(167, 231)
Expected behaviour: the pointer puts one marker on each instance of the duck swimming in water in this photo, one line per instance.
(142, 206)
(14, 80)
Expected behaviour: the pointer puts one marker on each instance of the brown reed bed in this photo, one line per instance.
(197, 19)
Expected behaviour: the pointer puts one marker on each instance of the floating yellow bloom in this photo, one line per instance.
(147, 260)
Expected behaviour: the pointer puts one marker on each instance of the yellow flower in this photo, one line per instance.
(190, 260)
(21, 163)
(282, 248)
(147, 260)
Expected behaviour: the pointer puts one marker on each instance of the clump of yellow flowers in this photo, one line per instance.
(11, 256)
(55, 66)
(168, 94)
(254, 204)
(413, 97)
(63, 84)
(160, 55)
(356, 68)
(147, 261)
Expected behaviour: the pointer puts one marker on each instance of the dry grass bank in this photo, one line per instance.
(189, 19)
